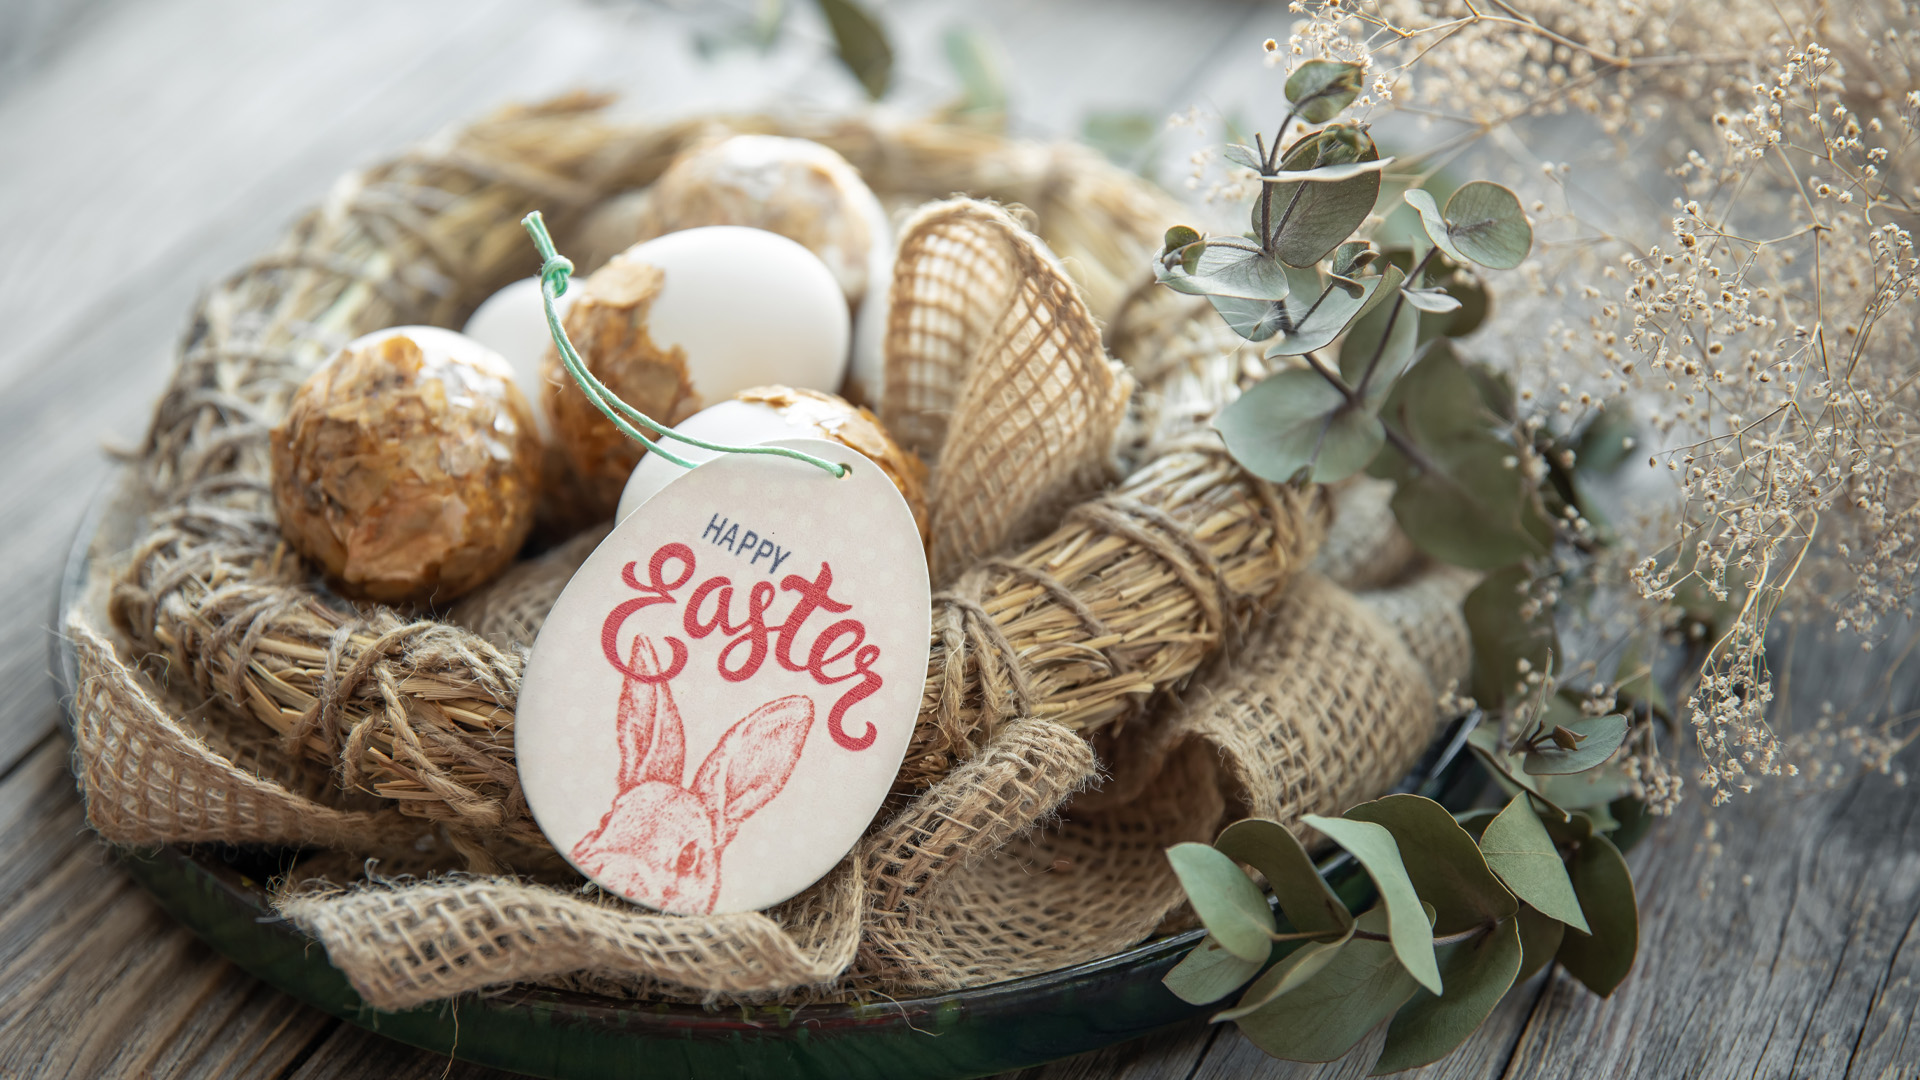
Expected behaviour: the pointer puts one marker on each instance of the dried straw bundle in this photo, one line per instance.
(414, 710)
(1125, 599)
(232, 701)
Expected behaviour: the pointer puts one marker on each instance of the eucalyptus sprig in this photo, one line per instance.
(1474, 485)
(1467, 908)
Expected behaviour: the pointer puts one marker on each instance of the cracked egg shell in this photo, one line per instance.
(407, 466)
(766, 413)
(686, 319)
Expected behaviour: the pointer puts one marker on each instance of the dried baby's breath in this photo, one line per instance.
(1742, 278)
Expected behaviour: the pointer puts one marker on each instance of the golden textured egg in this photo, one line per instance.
(766, 414)
(797, 188)
(854, 427)
(608, 327)
(407, 466)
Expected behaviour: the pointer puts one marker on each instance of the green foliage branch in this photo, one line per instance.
(1468, 906)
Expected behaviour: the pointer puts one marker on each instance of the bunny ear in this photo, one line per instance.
(653, 743)
(753, 761)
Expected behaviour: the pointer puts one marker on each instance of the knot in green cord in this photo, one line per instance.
(555, 272)
(555, 269)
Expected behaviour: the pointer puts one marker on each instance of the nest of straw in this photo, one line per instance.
(1083, 615)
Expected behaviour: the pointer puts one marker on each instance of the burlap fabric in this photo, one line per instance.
(997, 373)
(225, 698)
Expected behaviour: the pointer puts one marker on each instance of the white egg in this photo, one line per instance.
(513, 323)
(750, 308)
(730, 423)
(867, 371)
(795, 187)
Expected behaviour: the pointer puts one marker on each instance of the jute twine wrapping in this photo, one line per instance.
(224, 698)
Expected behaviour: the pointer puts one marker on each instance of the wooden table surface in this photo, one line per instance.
(147, 147)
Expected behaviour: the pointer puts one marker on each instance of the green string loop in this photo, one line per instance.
(555, 270)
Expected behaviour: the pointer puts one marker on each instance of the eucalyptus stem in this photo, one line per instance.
(1270, 159)
(1393, 315)
(1450, 939)
(1303, 935)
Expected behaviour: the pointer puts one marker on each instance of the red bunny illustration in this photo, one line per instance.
(661, 841)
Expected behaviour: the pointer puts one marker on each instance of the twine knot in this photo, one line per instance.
(555, 272)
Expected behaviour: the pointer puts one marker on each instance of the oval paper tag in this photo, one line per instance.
(720, 699)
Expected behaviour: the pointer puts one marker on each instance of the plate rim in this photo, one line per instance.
(188, 880)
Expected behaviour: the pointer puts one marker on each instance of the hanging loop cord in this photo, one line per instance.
(555, 270)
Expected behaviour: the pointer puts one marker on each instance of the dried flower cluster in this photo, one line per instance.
(1745, 287)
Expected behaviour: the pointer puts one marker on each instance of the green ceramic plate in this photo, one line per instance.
(219, 893)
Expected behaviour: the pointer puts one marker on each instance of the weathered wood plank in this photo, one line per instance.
(209, 123)
(98, 980)
(348, 1053)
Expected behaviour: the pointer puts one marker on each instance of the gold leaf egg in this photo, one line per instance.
(407, 466)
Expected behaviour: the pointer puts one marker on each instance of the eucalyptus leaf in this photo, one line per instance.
(1352, 256)
(1445, 865)
(1591, 790)
(1374, 847)
(1487, 225)
(1255, 320)
(1518, 849)
(1605, 443)
(1304, 896)
(1227, 901)
(1320, 314)
(1433, 301)
(1311, 219)
(1585, 796)
(1503, 634)
(1324, 1017)
(1476, 821)
(1229, 270)
(1432, 220)
(1601, 879)
(1299, 966)
(1327, 174)
(1573, 832)
(1319, 89)
(1540, 937)
(1473, 510)
(1594, 740)
(1178, 238)
(1295, 422)
(1496, 391)
(1209, 973)
(1474, 303)
(977, 62)
(1482, 223)
(1479, 972)
(1244, 156)
(861, 44)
